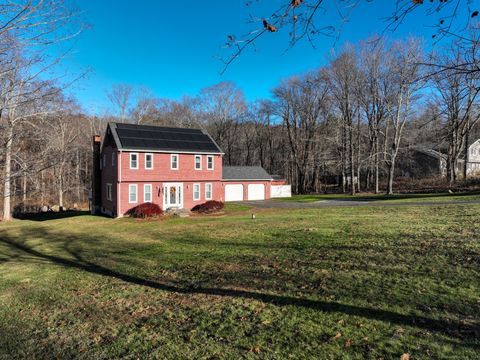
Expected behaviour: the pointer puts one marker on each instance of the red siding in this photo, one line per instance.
(161, 169)
(121, 176)
(157, 193)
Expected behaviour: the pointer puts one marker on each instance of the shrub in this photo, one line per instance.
(208, 207)
(145, 210)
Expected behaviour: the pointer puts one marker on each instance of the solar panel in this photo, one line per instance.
(147, 137)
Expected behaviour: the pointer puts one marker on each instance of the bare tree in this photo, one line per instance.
(373, 92)
(405, 58)
(27, 30)
(302, 103)
(223, 107)
(343, 77)
(120, 96)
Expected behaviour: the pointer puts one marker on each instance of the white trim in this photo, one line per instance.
(199, 192)
(180, 193)
(195, 162)
(173, 152)
(144, 192)
(171, 161)
(109, 193)
(145, 158)
(119, 184)
(136, 193)
(134, 153)
(213, 162)
(211, 191)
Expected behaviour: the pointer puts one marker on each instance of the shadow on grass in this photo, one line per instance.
(52, 215)
(20, 251)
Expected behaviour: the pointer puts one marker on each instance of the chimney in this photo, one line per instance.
(96, 177)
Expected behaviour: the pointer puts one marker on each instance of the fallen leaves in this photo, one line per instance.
(338, 335)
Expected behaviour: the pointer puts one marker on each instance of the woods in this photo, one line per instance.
(351, 125)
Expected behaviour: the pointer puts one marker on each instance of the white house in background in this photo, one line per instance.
(473, 159)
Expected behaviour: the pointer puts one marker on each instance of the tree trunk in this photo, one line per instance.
(377, 167)
(7, 213)
(391, 174)
(24, 192)
(465, 150)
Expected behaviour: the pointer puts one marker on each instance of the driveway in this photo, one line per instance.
(278, 204)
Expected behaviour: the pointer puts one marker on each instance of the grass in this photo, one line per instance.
(332, 283)
(434, 197)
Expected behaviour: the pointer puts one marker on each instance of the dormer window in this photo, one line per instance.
(133, 160)
(198, 162)
(174, 162)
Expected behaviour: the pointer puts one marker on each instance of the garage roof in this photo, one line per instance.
(156, 138)
(231, 173)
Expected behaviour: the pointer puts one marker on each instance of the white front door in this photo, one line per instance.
(172, 195)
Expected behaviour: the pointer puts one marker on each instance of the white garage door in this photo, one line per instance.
(256, 192)
(234, 192)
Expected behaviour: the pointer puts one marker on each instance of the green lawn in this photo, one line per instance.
(331, 283)
(434, 197)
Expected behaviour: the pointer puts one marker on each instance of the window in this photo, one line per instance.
(133, 160)
(113, 159)
(174, 162)
(132, 193)
(109, 192)
(148, 161)
(104, 160)
(210, 162)
(196, 191)
(147, 193)
(208, 191)
(198, 162)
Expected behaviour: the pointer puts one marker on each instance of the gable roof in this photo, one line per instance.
(164, 139)
(245, 173)
(431, 152)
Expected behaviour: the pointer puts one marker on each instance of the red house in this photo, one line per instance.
(171, 167)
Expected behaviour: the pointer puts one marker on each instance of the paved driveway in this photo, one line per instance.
(278, 204)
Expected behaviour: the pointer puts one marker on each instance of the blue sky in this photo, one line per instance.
(171, 47)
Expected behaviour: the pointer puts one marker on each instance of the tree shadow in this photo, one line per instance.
(20, 251)
(51, 215)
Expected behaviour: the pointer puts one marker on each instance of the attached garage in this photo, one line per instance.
(256, 192)
(246, 183)
(234, 192)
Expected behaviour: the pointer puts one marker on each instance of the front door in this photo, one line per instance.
(172, 195)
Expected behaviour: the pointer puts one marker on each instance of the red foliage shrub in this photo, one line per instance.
(145, 210)
(208, 207)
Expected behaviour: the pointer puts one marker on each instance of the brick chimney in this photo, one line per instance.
(96, 177)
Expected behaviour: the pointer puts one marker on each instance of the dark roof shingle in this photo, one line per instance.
(245, 173)
(156, 138)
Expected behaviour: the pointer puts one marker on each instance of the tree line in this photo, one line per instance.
(351, 122)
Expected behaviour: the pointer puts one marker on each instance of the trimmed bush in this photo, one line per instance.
(208, 207)
(145, 210)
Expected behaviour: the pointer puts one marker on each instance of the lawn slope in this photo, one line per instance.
(340, 283)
